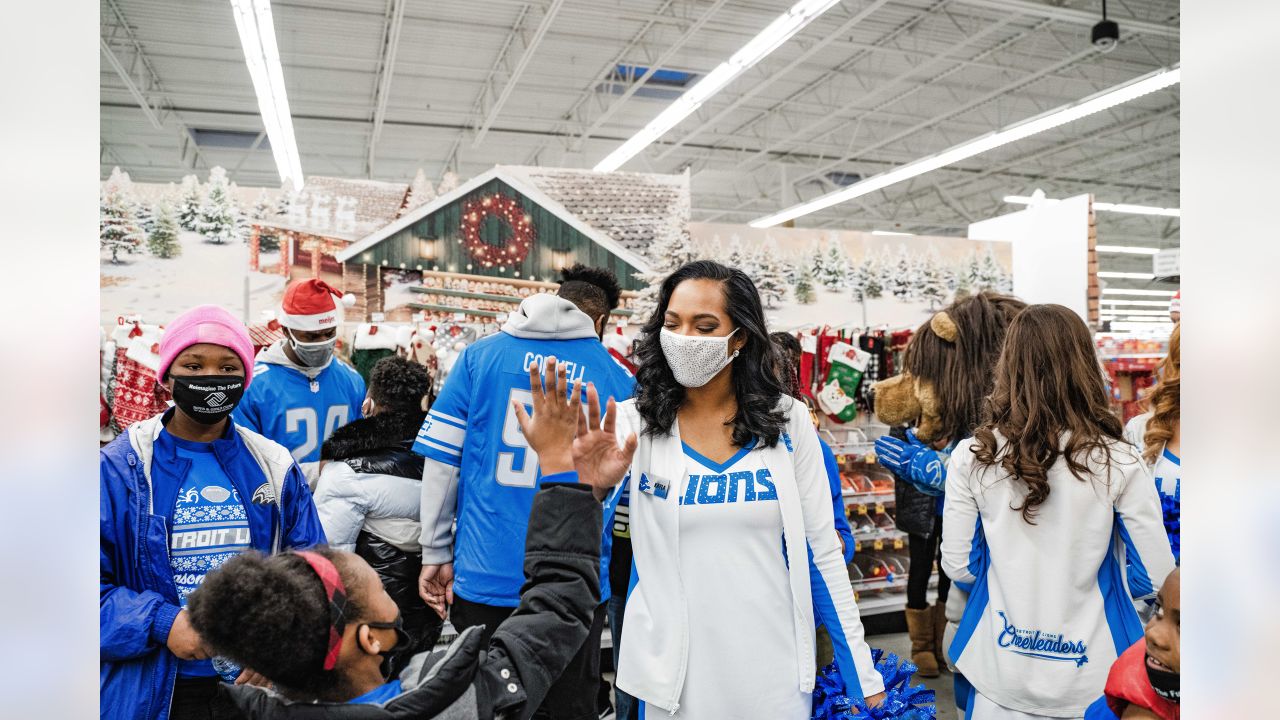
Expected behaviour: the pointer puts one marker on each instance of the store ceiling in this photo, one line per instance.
(846, 97)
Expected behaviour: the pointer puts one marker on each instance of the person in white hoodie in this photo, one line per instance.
(732, 527)
(1044, 506)
(480, 472)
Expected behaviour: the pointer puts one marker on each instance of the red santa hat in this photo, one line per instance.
(311, 305)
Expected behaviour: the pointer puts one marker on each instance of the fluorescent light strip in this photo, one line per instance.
(258, 39)
(1147, 303)
(1128, 249)
(889, 232)
(1136, 88)
(1126, 275)
(1130, 311)
(757, 48)
(1124, 291)
(1108, 207)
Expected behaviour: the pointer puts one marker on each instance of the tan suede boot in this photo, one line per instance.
(939, 629)
(920, 629)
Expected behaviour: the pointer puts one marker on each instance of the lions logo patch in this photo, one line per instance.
(264, 495)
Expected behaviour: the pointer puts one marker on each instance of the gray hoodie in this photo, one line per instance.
(548, 317)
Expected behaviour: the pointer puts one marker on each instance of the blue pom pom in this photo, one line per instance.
(902, 700)
(1171, 505)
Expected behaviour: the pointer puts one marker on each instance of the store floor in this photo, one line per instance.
(900, 644)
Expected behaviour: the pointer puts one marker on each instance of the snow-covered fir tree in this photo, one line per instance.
(835, 266)
(218, 213)
(671, 250)
(990, 274)
(448, 183)
(163, 240)
(866, 281)
(735, 254)
(242, 222)
(285, 199)
(900, 279)
(932, 280)
(804, 287)
(144, 214)
(817, 264)
(189, 203)
(262, 207)
(118, 229)
(971, 273)
(421, 191)
(768, 275)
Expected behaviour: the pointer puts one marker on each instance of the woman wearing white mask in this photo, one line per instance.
(731, 518)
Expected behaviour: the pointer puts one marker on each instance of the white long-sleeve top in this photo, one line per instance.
(385, 505)
(1049, 609)
(654, 656)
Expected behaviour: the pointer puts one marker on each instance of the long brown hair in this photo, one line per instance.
(1165, 401)
(1048, 383)
(959, 369)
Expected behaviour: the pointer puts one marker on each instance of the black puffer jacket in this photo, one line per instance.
(916, 510)
(530, 649)
(368, 498)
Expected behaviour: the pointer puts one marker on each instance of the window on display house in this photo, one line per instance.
(664, 83)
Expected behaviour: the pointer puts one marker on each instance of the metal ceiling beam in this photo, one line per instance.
(548, 19)
(1078, 17)
(115, 63)
(391, 44)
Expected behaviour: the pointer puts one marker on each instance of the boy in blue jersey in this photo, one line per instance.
(302, 395)
(481, 471)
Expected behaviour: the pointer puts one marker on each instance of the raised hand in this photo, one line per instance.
(557, 414)
(600, 461)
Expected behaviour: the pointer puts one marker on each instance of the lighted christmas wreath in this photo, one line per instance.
(508, 209)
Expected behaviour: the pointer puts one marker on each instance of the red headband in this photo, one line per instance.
(336, 592)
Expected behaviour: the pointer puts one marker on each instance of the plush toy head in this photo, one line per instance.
(948, 366)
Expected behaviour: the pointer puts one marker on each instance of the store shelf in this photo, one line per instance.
(487, 297)
(853, 498)
(882, 602)
(856, 449)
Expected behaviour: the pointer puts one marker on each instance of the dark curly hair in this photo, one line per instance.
(270, 613)
(396, 383)
(788, 350)
(1049, 402)
(755, 384)
(602, 278)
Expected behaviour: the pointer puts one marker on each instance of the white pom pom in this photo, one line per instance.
(459, 346)
(349, 300)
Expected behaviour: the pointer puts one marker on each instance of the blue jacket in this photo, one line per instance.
(837, 499)
(138, 600)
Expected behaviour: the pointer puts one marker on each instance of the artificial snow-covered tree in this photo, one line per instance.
(163, 240)
(900, 279)
(990, 274)
(218, 213)
(804, 287)
(262, 207)
(932, 280)
(671, 250)
(189, 203)
(867, 279)
(287, 192)
(242, 224)
(448, 183)
(971, 273)
(817, 263)
(736, 255)
(835, 266)
(769, 276)
(421, 191)
(117, 228)
(144, 215)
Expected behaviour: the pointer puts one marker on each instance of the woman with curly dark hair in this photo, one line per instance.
(735, 550)
(1044, 506)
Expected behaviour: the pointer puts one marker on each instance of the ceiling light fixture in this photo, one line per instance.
(1147, 303)
(1126, 275)
(1128, 249)
(258, 39)
(1095, 103)
(1108, 207)
(1125, 291)
(757, 48)
(889, 232)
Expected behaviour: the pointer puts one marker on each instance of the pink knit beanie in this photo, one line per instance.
(205, 324)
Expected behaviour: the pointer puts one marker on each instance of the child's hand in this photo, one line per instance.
(184, 641)
(556, 415)
(600, 461)
(875, 700)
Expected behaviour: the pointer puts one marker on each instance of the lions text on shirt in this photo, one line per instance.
(209, 527)
(730, 520)
(299, 413)
(472, 426)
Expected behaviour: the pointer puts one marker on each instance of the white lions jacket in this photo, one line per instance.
(1049, 606)
(654, 655)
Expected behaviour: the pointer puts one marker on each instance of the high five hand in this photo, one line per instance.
(600, 461)
(556, 416)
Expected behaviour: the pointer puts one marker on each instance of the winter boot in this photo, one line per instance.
(920, 629)
(939, 629)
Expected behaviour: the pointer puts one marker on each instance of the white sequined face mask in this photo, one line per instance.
(694, 360)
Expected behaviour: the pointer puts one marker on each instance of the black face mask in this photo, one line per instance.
(207, 399)
(1165, 683)
(402, 643)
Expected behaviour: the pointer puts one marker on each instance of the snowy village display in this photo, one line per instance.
(476, 251)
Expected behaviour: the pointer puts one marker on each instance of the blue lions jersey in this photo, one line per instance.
(300, 414)
(473, 426)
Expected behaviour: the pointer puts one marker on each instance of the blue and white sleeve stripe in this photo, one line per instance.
(441, 438)
(825, 612)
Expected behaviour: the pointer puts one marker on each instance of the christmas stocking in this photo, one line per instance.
(847, 365)
(808, 348)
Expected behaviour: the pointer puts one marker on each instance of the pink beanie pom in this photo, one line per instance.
(205, 324)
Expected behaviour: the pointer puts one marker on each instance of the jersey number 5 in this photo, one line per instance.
(526, 476)
(304, 420)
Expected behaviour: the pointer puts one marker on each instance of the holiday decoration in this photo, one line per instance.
(847, 366)
(902, 700)
(509, 210)
(117, 225)
(671, 249)
(421, 192)
(835, 267)
(218, 215)
(163, 240)
(189, 203)
(804, 287)
(769, 276)
(262, 207)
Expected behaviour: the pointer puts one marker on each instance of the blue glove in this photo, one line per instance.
(913, 461)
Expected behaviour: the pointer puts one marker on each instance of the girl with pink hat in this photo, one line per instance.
(181, 493)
